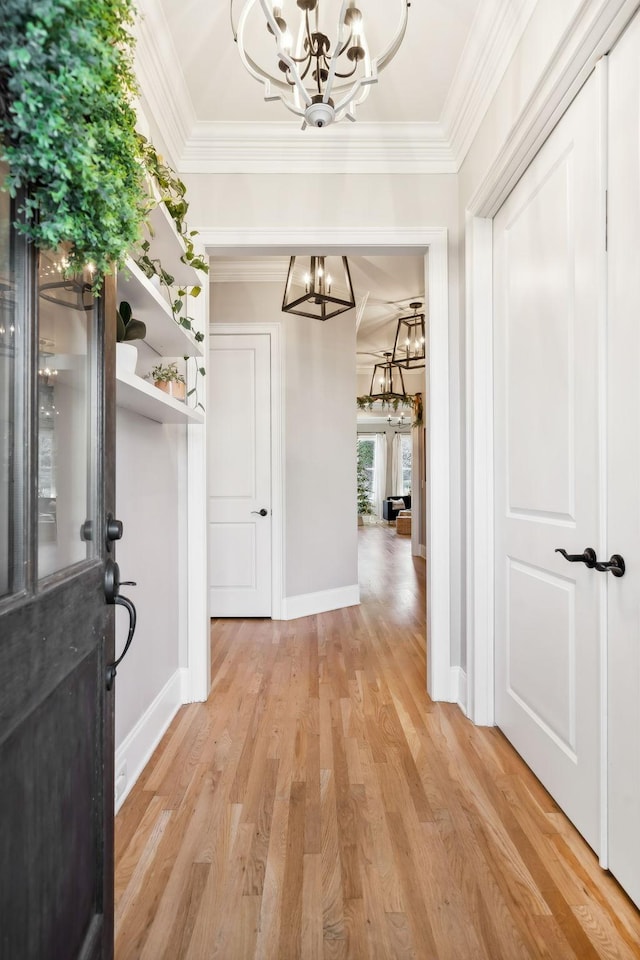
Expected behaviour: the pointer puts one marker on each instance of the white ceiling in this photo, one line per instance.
(426, 107)
(383, 287)
(412, 89)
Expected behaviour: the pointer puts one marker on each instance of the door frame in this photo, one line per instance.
(274, 332)
(594, 30)
(441, 677)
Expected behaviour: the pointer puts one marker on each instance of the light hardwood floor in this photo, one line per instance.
(320, 806)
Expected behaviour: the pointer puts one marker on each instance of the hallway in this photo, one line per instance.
(320, 807)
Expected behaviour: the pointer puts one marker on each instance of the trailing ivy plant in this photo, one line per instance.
(152, 267)
(172, 193)
(67, 126)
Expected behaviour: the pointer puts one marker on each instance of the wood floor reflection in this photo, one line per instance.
(320, 806)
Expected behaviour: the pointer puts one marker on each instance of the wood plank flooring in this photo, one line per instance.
(320, 807)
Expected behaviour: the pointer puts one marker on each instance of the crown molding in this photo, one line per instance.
(387, 148)
(161, 80)
(283, 147)
(248, 270)
(496, 30)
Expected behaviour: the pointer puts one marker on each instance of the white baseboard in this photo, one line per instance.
(459, 688)
(136, 749)
(422, 551)
(306, 604)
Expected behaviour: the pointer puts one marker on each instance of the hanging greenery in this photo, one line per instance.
(172, 192)
(413, 400)
(67, 126)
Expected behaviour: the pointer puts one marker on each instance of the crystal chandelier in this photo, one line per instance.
(321, 67)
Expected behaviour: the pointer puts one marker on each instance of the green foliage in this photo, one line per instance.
(152, 267)
(165, 373)
(364, 460)
(172, 192)
(127, 327)
(67, 125)
(413, 400)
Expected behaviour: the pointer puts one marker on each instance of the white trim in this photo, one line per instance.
(422, 551)
(496, 30)
(136, 749)
(251, 270)
(198, 673)
(593, 30)
(161, 80)
(589, 35)
(480, 494)
(308, 604)
(459, 689)
(602, 78)
(282, 147)
(274, 332)
(258, 242)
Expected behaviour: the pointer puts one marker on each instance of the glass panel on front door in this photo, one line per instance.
(66, 406)
(12, 485)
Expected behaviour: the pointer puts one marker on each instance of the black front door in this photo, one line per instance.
(56, 631)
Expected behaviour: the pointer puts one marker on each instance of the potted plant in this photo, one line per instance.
(166, 377)
(128, 328)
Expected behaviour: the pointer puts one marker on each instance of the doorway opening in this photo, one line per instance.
(430, 246)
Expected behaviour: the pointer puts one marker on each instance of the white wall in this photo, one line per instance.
(320, 503)
(256, 203)
(149, 480)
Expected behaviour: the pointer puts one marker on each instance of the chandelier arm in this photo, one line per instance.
(345, 45)
(306, 69)
(345, 76)
(388, 55)
(282, 53)
(334, 60)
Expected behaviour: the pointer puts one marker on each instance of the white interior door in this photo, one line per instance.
(240, 476)
(624, 459)
(546, 253)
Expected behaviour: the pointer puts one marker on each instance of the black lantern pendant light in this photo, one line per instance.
(409, 347)
(318, 287)
(387, 382)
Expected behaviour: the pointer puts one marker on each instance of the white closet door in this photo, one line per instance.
(239, 481)
(546, 253)
(624, 459)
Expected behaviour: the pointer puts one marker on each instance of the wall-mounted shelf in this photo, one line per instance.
(164, 335)
(134, 393)
(168, 246)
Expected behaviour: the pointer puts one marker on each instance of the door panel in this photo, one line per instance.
(624, 459)
(546, 248)
(56, 631)
(240, 476)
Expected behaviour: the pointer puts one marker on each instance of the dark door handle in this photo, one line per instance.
(588, 557)
(262, 512)
(615, 566)
(112, 584)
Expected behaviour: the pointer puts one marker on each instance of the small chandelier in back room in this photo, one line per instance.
(387, 382)
(316, 58)
(318, 287)
(409, 347)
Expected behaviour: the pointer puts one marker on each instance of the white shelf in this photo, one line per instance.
(164, 335)
(168, 246)
(134, 393)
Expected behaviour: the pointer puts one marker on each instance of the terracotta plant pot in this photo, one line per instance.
(174, 388)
